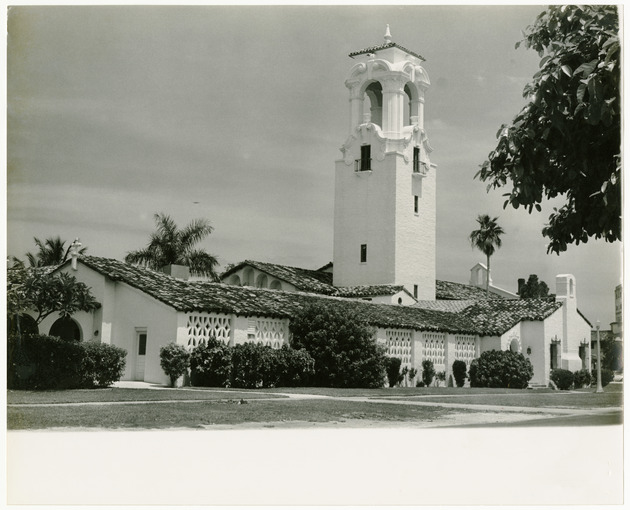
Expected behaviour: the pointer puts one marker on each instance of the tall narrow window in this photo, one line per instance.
(142, 344)
(415, 291)
(415, 204)
(364, 253)
(416, 159)
(366, 158)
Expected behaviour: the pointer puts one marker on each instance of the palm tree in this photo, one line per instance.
(51, 252)
(170, 245)
(485, 239)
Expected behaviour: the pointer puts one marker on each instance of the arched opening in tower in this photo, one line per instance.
(374, 103)
(410, 108)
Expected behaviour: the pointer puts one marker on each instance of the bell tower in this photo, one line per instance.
(385, 184)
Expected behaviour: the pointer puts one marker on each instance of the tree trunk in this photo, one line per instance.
(487, 276)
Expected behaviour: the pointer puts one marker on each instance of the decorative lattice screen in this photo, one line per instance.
(270, 332)
(465, 348)
(434, 348)
(399, 344)
(203, 326)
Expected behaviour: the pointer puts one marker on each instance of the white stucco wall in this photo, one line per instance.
(136, 311)
(376, 208)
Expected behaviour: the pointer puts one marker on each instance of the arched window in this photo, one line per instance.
(261, 281)
(235, 280)
(66, 329)
(514, 345)
(25, 324)
(275, 284)
(248, 277)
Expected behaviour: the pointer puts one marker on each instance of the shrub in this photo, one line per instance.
(394, 376)
(102, 365)
(253, 366)
(500, 369)
(41, 362)
(581, 378)
(342, 344)
(459, 372)
(211, 364)
(428, 372)
(413, 372)
(419, 384)
(440, 377)
(562, 378)
(607, 377)
(295, 367)
(174, 360)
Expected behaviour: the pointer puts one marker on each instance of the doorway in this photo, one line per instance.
(141, 351)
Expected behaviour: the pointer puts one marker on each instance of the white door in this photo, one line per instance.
(140, 355)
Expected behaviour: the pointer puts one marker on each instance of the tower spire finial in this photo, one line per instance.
(388, 35)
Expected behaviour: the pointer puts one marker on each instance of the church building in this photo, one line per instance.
(383, 268)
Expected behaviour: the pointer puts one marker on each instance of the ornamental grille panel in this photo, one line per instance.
(434, 348)
(204, 326)
(270, 332)
(398, 343)
(465, 348)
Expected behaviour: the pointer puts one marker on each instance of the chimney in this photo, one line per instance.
(177, 271)
(74, 253)
(521, 284)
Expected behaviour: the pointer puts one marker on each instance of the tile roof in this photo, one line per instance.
(484, 318)
(373, 49)
(459, 291)
(496, 316)
(369, 290)
(450, 305)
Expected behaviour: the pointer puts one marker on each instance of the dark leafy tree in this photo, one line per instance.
(46, 293)
(342, 345)
(171, 245)
(51, 252)
(394, 377)
(174, 360)
(500, 369)
(487, 238)
(533, 288)
(459, 372)
(428, 372)
(567, 140)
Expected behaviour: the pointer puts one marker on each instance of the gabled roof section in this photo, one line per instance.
(374, 49)
(458, 291)
(307, 280)
(496, 316)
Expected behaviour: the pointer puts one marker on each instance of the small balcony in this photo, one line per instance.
(363, 165)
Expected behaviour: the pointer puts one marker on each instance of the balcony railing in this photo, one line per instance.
(363, 165)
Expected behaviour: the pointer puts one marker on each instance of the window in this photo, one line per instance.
(364, 253)
(415, 204)
(142, 344)
(415, 291)
(366, 158)
(416, 160)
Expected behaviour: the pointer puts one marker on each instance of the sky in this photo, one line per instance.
(237, 114)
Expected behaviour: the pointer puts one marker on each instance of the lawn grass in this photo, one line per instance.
(219, 412)
(612, 397)
(128, 395)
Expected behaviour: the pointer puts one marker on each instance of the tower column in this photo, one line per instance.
(356, 107)
(393, 106)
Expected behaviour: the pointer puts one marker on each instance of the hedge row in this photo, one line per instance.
(565, 379)
(249, 365)
(40, 362)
